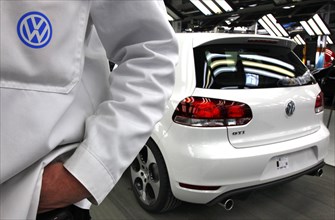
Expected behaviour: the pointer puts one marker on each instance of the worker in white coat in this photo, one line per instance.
(69, 127)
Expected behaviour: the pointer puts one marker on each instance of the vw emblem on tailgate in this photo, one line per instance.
(34, 29)
(290, 108)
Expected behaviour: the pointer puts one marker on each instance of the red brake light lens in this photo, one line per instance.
(319, 103)
(209, 112)
(236, 111)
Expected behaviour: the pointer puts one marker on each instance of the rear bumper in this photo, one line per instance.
(236, 193)
(207, 159)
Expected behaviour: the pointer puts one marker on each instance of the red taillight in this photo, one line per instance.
(319, 104)
(236, 111)
(208, 112)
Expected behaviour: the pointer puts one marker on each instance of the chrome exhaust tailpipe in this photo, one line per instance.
(318, 173)
(227, 204)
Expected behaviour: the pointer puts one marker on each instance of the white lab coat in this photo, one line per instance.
(57, 93)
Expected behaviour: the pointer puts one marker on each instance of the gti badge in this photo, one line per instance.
(290, 108)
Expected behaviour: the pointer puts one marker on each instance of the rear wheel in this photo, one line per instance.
(150, 180)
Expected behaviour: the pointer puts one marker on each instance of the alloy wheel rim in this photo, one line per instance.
(145, 176)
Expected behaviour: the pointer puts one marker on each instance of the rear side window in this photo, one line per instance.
(248, 66)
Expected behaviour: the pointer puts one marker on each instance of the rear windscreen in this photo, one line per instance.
(248, 66)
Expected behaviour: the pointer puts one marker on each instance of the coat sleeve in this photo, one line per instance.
(138, 38)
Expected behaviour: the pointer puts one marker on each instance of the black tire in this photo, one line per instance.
(150, 180)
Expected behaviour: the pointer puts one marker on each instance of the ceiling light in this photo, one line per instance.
(282, 30)
(270, 16)
(278, 26)
(253, 5)
(288, 6)
(307, 28)
(314, 27)
(321, 24)
(201, 7)
(266, 27)
(299, 40)
(329, 40)
(212, 6)
(272, 26)
(224, 5)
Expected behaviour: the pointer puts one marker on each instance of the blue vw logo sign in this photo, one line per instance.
(34, 29)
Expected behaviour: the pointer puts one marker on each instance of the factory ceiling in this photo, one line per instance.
(245, 14)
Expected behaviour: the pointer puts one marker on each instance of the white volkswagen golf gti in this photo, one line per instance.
(245, 114)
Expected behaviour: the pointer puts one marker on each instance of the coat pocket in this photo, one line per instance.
(42, 44)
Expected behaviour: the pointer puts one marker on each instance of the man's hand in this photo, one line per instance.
(59, 188)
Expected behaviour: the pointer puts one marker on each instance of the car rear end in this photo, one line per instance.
(249, 114)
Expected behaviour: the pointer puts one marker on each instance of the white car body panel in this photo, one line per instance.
(215, 163)
(216, 157)
(268, 107)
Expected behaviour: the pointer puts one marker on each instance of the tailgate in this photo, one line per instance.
(278, 115)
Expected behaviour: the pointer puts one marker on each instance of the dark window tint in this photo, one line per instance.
(248, 66)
